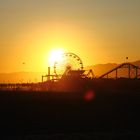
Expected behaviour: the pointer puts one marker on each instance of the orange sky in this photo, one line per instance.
(99, 31)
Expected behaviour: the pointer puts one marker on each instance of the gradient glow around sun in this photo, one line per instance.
(55, 55)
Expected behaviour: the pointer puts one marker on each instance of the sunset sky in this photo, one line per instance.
(99, 31)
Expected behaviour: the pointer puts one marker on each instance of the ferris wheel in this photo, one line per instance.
(69, 61)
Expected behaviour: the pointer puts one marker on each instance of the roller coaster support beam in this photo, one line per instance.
(136, 73)
(116, 73)
(129, 74)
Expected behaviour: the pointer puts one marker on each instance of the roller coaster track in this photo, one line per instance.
(124, 65)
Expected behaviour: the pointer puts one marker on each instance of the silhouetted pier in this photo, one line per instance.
(77, 79)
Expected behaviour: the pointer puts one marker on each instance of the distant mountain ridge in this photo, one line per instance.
(29, 77)
(100, 69)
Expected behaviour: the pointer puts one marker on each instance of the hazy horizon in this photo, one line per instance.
(31, 76)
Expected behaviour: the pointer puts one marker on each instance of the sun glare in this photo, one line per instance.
(55, 56)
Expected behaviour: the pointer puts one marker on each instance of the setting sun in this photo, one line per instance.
(55, 56)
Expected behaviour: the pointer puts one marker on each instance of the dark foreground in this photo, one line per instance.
(111, 114)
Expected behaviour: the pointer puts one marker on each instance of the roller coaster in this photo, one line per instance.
(133, 71)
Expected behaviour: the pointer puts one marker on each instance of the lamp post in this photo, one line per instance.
(126, 59)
